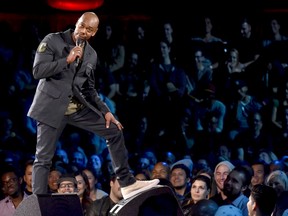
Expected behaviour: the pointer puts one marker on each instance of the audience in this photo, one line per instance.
(222, 132)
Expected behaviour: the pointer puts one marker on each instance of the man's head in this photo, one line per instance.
(67, 184)
(27, 177)
(179, 176)
(86, 26)
(115, 191)
(221, 172)
(262, 200)
(160, 170)
(204, 207)
(11, 181)
(237, 182)
(260, 171)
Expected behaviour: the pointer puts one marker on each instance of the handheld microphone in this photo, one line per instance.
(79, 42)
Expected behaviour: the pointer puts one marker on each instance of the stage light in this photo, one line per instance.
(75, 5)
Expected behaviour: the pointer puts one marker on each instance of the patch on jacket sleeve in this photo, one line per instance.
(42, 47)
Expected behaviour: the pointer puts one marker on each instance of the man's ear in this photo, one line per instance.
(254, 206)
(244, 188)
(94, 32)
(20, 179)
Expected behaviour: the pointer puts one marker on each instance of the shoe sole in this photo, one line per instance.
(141, 190)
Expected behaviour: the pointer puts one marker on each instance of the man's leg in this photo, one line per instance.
(45, 149)
(90, 121)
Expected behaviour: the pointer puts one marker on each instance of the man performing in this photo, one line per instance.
(65, 64)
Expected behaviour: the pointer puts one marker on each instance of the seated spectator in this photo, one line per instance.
(204, 207)
(11, 181)
(266, 156)
(235, 185)
(180, 180)
(101, 207)
(27, 177)
(228, 210)
(260, 172)
(276, 165)
(200, 189)
(67, 184)
(241, 107)
(78, 159)
(161, 170)
(141, 176)
(169, 158)
(95, 192)
(53, 178)
(221, 172)
(252, 140)
(258, 204)
(95, 163)
(83, 189)
(208, 108)
(278, 180)
(281, 206)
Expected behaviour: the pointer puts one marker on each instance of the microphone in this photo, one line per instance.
(79, 42)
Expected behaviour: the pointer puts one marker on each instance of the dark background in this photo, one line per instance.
(182, 11)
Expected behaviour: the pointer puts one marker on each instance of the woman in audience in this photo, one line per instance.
(278, 180)
(95, 192)
(200, 189)
(83, 189)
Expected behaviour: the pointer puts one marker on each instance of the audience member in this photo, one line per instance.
(53, 177)
(167, 83)
(260, 172)
(11, 181)
(102, 206)
(180, 180)
(277, 180)
(27, 177)
(200, 189)
(204, 207)
(67, 184)
(161, 170)
(83, 189)
(95, 192)
(235, 185)
(258, 204)
(221, 172)
(281, 205)
(228, 210)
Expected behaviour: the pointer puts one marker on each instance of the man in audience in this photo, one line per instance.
(11, 181)
(180, 180)
(262, 200)
(67, 184)
(101, 207)
(27, 177)
(161, 170)
(235, 185)
(221, 172)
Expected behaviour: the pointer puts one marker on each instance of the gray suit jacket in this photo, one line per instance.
(58, 81)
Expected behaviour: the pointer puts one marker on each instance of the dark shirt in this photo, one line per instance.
(218, 199)
(100, 207)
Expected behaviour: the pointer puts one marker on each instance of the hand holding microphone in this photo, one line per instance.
(76, 53)
(80, 43)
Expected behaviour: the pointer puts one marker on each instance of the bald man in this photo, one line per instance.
(65, 66)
